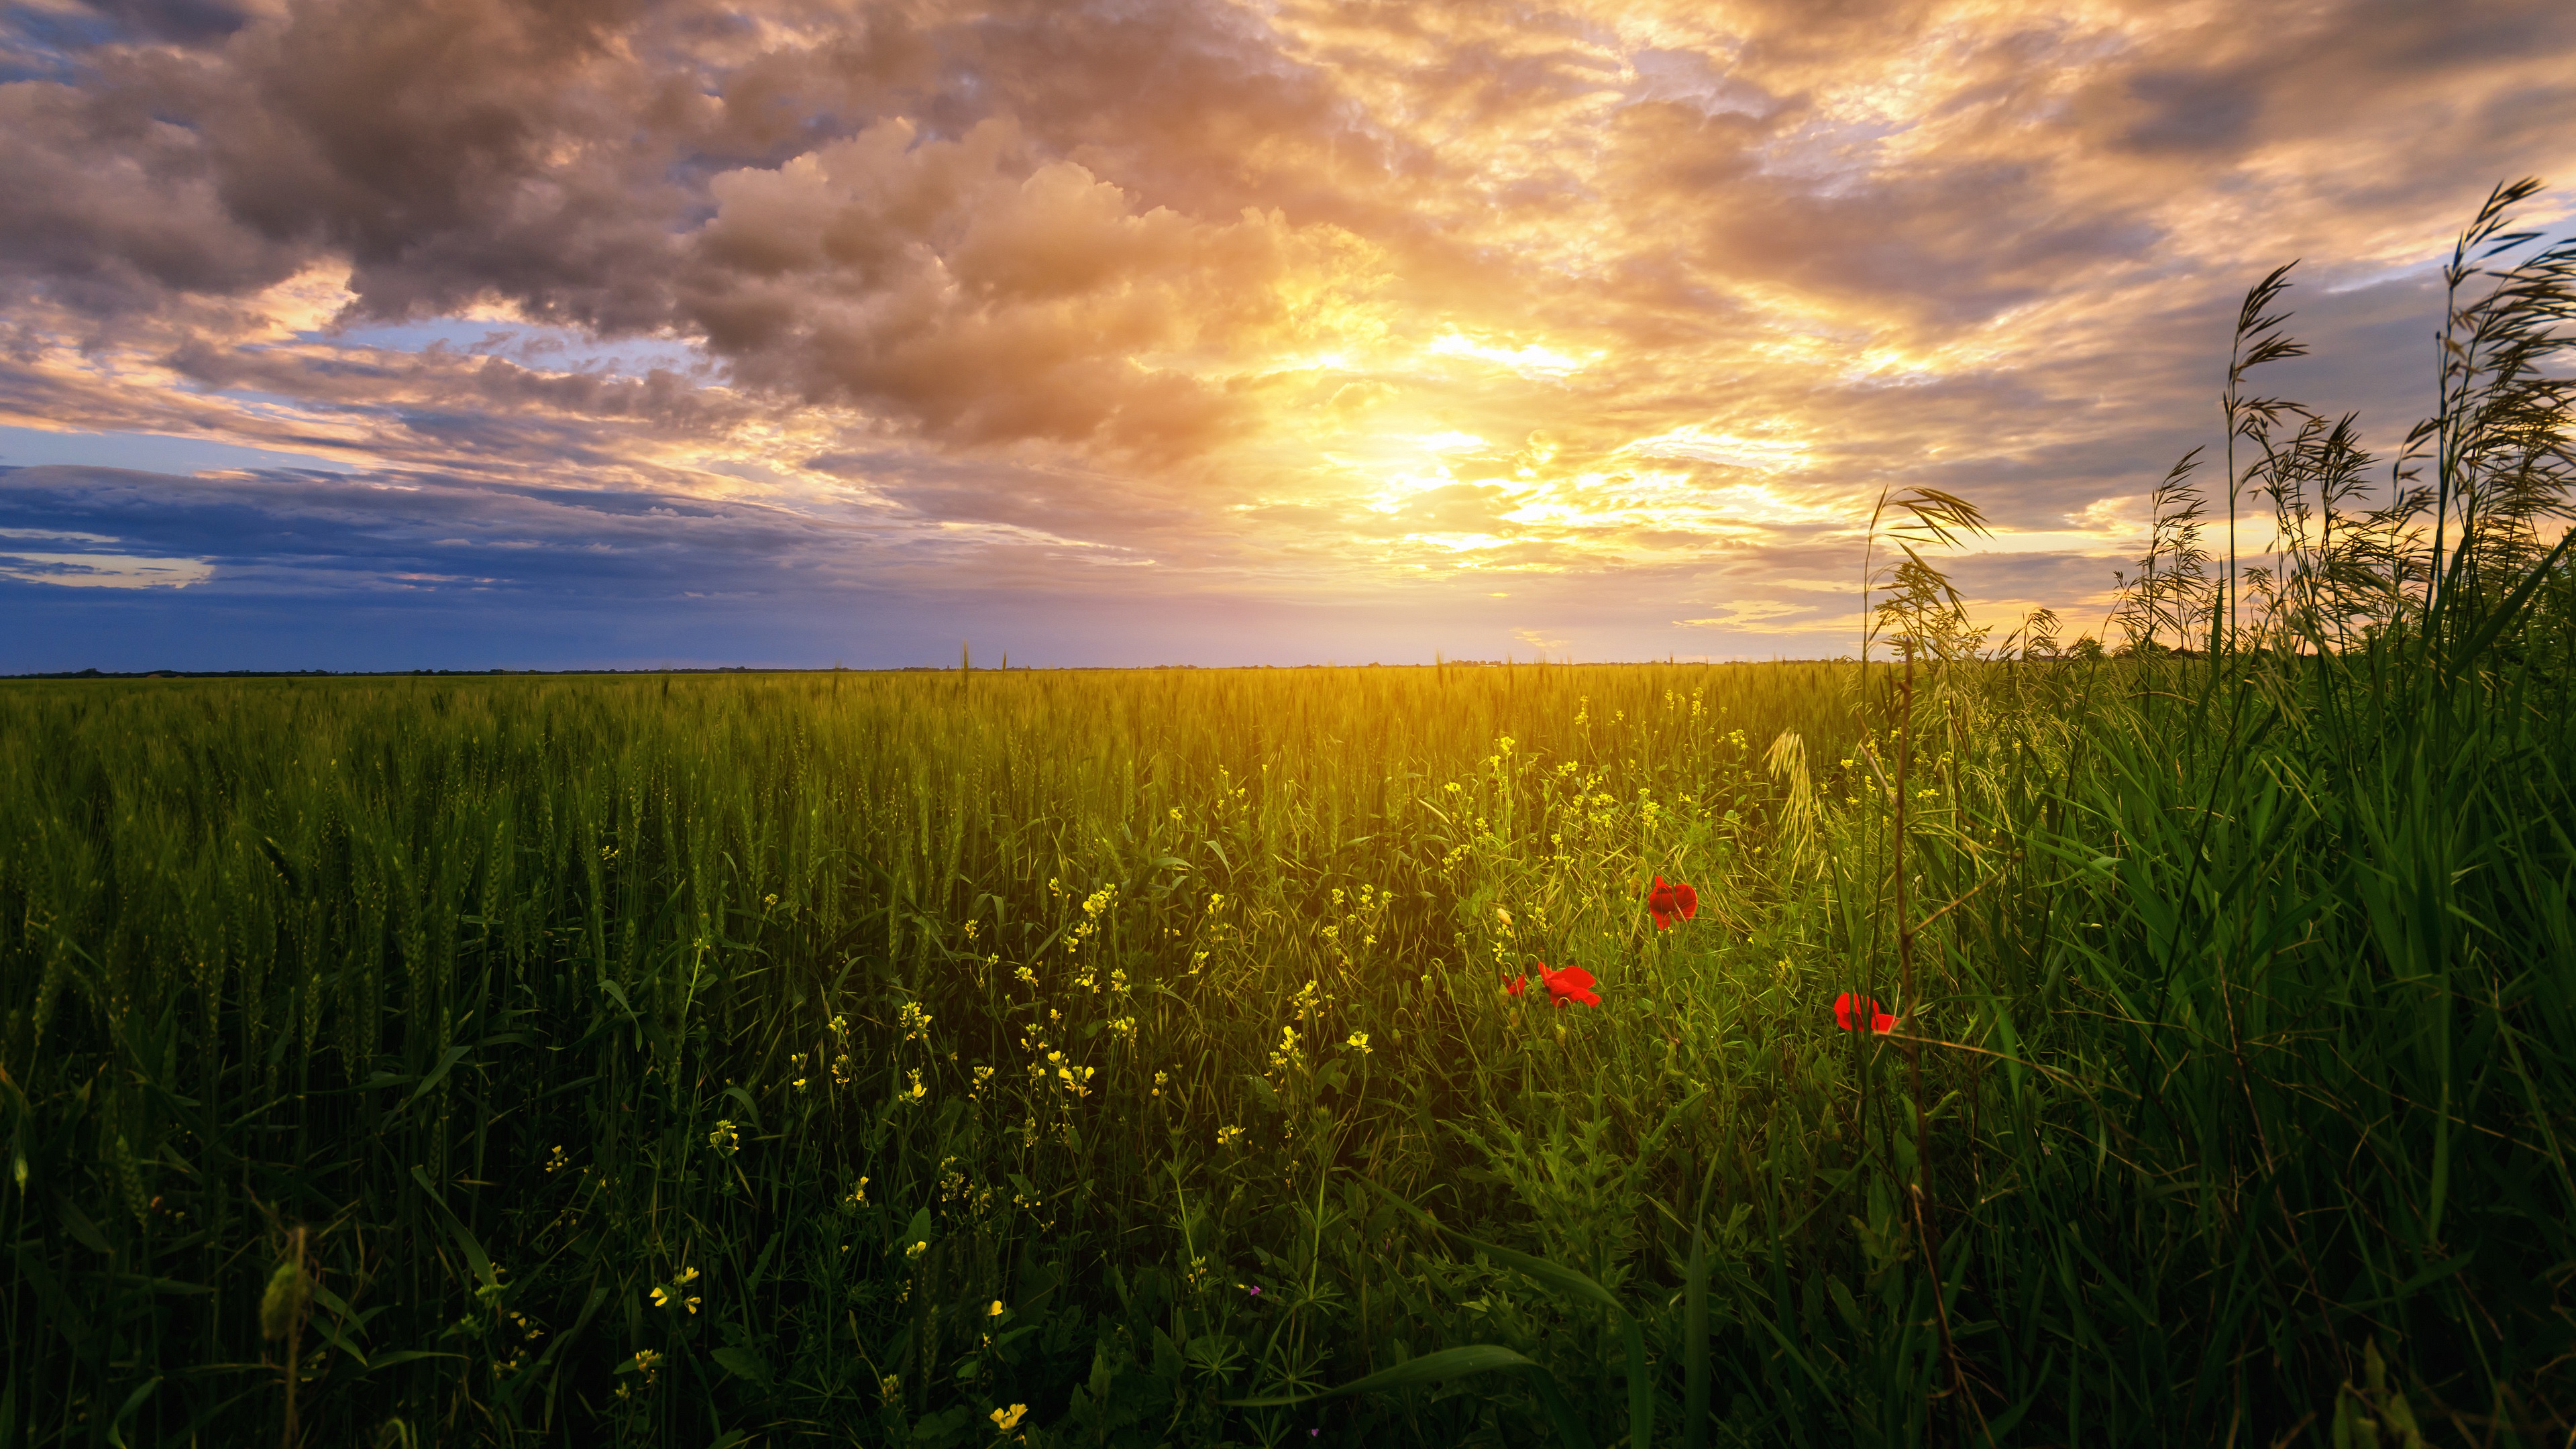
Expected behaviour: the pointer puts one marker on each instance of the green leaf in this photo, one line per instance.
(133, 1401)
(743, 1363)
(1695, 1338)
(475, 1257)
(1559, 1412)
(384, 1361)
(77, 1223)
(338, 1306)
(1448, 1363)
(436, 1075)
(1641, 1389)
(332, 1336)
(617, 994)
(1564, 1280)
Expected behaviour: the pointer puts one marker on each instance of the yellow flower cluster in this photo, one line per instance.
(1310, 1000)
(726, 1139)
(1076, 1081)
(677, 1291)
(914, 1021)
(1094, 907)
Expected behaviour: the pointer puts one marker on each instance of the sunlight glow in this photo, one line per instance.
(1529, 360)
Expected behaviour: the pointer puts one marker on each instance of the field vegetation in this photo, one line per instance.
(2176, 1047)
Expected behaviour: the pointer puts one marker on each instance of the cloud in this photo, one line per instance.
(302, 534)
(103, 570)
(989, 295)
(1765, 616)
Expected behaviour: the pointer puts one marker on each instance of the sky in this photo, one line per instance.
(392, 334)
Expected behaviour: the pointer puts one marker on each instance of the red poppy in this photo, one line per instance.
(1670, 903)
(1847, 1006)
(1516, 986)
(1570, 983)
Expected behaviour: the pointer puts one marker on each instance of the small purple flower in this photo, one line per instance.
(1254, 1290)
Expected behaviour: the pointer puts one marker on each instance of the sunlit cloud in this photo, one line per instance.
(1528, 360)
(1767, 616)
(94, 568)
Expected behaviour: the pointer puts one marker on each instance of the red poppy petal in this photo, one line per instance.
(1690, 901)
(1842, 1011)
(1576, 975)
(1882, 1022)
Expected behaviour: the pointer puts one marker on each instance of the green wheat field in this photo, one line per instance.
(2168, 1044)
